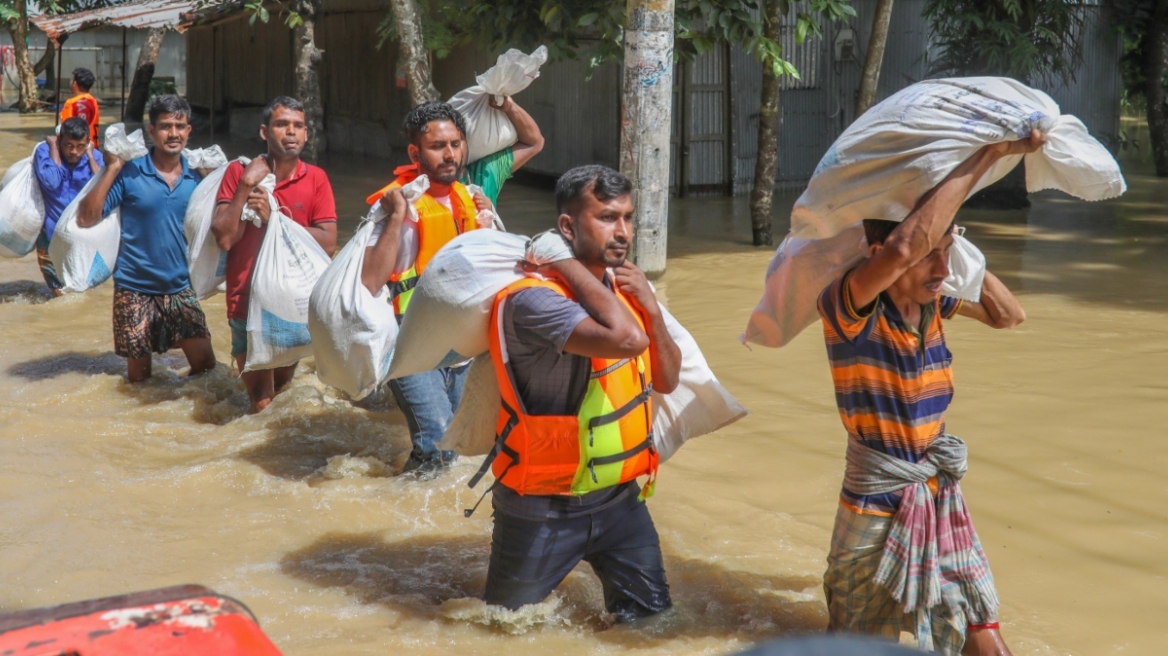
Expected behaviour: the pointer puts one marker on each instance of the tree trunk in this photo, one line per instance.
(47, 61)
(143, 75)
(1155, 66)
(308, 58)
(875, 57)
(646, 117)
(28, 87)
(412, 53)
(766, 164)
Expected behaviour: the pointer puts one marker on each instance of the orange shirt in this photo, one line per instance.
(83, 106)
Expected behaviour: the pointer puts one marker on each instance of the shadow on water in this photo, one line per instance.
(301, 444)
(418, 574)
(25, 291)
(72, 362)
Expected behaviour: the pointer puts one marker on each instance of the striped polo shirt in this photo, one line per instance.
(892, 387)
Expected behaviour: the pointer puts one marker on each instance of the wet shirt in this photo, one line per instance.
(152, 258)
(491, 172)
(306, 198)
(537, 323)
(83, 106)
(60, 183)
(892, 385)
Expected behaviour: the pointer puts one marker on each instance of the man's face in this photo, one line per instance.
(72, 150)
(440, 152)
(922, 282)
(286, 134)
(601, 231)
(170, 133)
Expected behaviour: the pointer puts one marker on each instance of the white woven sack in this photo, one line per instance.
(488, 129)
(450, 309)
(287, 267)
(208, 263)
(353, 332)
(698, 406)
(22, 210)
(882, 165)
(85, 257)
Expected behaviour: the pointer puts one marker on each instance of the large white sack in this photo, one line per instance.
(882, 165)
(22, 210)
(286, 269)
(488, 129)
(353, 331)
(698, 406)
(85, 257)
(212, 157)
(208, 262)
(122, 145)
(449, 312)
(900, 149)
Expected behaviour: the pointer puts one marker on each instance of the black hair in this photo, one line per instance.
(281, 101)
(876, 231)
(75, 128)
(84, 78)
(170, 104)
(418, 120)
(603, 182)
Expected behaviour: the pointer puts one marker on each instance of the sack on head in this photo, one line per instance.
(488, 129)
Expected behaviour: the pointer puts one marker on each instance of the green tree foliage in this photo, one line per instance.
(1136, 24)
(1028, 40)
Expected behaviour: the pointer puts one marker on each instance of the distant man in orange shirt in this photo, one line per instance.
(82, 104)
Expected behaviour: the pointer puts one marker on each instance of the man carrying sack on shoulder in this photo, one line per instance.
(399, 251)
(578, 353)
(904, 554)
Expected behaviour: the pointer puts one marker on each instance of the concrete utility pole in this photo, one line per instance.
(646, 117)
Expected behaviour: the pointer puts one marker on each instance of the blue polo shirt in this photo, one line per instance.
(153, 254)
(59, 183)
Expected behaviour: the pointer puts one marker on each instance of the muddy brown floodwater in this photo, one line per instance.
(107, 488)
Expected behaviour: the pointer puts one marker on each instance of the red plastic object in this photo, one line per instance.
(189, 619)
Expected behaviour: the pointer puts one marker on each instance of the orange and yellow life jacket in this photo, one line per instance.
(437, 225)
(609, 441)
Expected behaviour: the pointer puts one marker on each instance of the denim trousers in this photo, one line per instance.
(428, 401)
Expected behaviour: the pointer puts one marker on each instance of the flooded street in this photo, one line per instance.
(107, 488)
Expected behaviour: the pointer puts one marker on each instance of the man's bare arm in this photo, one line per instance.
(89, 211)
(998, 308)
(227, 226)
(380, 257)
(610, 331)
(929, 221)
(325, 234)
(530, 141)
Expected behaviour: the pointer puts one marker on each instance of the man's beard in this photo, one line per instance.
(444, 179)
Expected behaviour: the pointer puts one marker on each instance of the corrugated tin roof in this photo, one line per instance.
(139, 15)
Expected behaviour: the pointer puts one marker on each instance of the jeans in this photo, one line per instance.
(428, 401)
(529, 558)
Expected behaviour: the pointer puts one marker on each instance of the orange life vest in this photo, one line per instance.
(609, 441)
(83, 106)
(436, 226)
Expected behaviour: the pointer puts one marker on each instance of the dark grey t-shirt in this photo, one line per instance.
(537, 323)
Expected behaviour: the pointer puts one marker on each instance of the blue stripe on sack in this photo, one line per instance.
(99, 272)
(281, 333)
(221, 268)
(12, 240)
(383, 367)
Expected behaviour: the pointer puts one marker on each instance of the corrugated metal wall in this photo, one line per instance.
(1094, 94)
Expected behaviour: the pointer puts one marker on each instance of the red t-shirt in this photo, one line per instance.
(306, 197)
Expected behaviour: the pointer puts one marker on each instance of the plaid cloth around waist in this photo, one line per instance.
(926, 535)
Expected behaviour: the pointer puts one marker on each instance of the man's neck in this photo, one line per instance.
(283, 167)
(164, 161)
(909, 309)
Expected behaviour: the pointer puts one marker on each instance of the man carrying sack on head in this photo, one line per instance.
(904, 554)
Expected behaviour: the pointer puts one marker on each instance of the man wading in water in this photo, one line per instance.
(904, 554)
(577, 355)
(305, 196)
(155, 308)
(399, 251)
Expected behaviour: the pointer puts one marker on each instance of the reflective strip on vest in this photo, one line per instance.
(606, 443)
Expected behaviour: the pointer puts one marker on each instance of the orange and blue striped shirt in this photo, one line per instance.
(892, 387)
